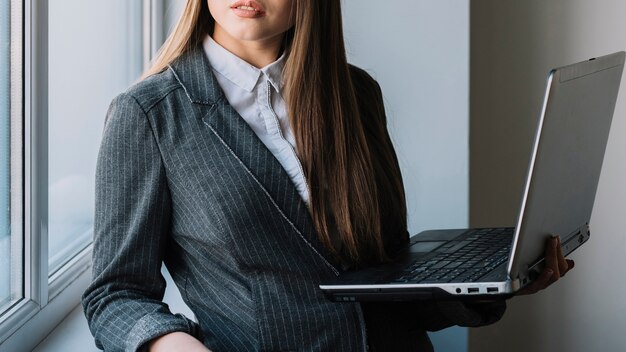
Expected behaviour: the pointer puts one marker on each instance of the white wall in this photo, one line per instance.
(514, 44)
(419, 51)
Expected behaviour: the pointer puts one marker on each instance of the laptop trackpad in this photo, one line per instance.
(438, 235)
(424, 247)
(428, 241)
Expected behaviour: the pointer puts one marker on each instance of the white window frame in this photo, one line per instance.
(47, 299)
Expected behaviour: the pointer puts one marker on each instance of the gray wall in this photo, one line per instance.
(514, 44)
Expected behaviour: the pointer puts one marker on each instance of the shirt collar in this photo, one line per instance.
(239, 71)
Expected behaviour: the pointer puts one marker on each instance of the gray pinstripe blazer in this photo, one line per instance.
(182, 179)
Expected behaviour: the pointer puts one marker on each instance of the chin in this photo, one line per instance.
(251, 36)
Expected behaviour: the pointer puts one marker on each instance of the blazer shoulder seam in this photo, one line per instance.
(154, 102)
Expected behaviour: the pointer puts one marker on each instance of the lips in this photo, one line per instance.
(248, 9)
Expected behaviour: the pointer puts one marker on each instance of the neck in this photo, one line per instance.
(258, 53)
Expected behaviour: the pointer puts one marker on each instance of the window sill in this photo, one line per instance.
(27, 336)
(72, 334)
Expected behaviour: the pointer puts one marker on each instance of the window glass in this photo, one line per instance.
(94, 53)
(5, 154)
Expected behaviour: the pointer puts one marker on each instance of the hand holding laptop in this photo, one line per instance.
(556, 267)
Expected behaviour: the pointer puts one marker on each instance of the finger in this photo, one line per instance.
(540, 283)
(551, 260)
(563, 266)
(570, 264)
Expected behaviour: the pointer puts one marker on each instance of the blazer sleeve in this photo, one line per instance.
(123, 304)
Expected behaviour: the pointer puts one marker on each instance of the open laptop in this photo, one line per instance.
(558, 199)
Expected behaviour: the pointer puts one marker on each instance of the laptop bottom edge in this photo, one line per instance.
(416, 292)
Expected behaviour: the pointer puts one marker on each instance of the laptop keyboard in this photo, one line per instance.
(464, 260)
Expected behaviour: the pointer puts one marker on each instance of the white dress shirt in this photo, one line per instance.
(256, 94)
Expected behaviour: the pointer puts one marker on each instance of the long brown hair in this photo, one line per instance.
(349, 185)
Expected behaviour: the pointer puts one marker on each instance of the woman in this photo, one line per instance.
(254, 162)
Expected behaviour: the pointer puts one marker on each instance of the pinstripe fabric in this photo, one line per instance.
(182, 179)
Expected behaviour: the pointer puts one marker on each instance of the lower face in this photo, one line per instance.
(252, 20)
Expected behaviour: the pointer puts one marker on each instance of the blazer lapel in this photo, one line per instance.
(194, 73)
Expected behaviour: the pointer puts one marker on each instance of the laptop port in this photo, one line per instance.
(492, 289)
(472, 290)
